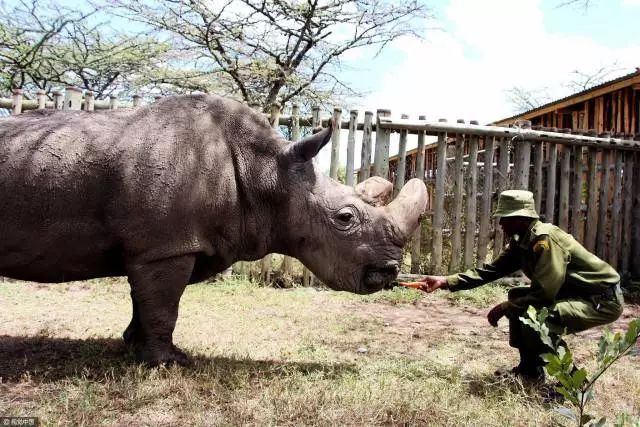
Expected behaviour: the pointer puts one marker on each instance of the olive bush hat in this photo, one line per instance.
(516, 203)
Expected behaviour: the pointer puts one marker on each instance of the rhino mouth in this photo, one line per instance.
(378, 276)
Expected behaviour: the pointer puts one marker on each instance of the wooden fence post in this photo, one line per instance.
(628, 192)
(592, 201)
(113, 102)
(614, 239)
(458, 195)
(57, 100)
(550, 199)
(401, 168)
(471, 206)
(635, 216)
(89, 102)
(487, 192)
(335, 143)
(576, 194)
(265, 270)
(416, 248)
(351, 147)
(565, 178)
(16, 102)
(41, 97)
(365, 152)
(502, 184)
(538, 152)
(522, 161)
(286, 269)
(601, 247)
(72, 98)
(381, 156)
(439, 195)
(307, 277)
(137, 100)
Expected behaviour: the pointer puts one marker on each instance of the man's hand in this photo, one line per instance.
(428, 283)
(497, 313)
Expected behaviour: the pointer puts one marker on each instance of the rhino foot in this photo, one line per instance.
(154, 357)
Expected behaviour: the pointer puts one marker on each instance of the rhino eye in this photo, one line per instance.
(345, 218)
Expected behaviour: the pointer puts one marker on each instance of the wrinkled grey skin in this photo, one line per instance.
(175, 192)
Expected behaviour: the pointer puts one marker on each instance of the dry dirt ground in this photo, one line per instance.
(278, 357)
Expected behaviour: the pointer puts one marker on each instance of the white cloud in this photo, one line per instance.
(491, 46)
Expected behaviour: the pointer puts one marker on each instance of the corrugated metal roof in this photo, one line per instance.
(567, 98)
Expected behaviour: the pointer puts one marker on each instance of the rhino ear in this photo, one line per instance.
(307, 148)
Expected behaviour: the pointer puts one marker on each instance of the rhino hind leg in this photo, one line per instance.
(156, 289)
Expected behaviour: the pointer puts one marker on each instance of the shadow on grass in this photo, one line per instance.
(47, 359)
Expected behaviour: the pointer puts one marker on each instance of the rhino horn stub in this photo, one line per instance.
(375, 191)
(407, 209)
(307, 148)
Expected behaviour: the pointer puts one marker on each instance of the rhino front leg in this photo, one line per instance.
(156, 289)
(133, 334)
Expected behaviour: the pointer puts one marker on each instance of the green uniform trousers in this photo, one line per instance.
(568, 315)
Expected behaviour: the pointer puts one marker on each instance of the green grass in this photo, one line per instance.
(265, 356)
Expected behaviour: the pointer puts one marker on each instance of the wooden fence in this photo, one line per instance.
(587, 184)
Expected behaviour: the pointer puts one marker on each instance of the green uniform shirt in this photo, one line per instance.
(559, 267)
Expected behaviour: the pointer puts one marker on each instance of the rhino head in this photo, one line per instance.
(350, 238)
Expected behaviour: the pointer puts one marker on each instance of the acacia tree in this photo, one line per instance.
(43, 44)
(27, 31)
(266, 51)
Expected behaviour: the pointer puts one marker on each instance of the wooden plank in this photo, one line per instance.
(398, 182)
(16, 102)
(286, 268)
(502, 184)
(365, 152)
(575, 120)
(565, 177)
(599, 114)
(438, 211)
(634, 113)
(635, 215)
(487, 192)
(335, 144)
(458, 198)
(603, 209)
(416, 243)
(616, 213)
(592, 200)
(381, 157)
(550, 198)
(576, 194)
(538, 157)
(522, 161)
(586, 116)
(265, 268)
(619, 112)
(471, 208)
(351, 147)
(626, 126)
(627, 197)
(307, 277)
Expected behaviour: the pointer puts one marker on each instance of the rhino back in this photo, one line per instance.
(85, 192)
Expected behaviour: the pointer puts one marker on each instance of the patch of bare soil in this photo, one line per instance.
(431, 321)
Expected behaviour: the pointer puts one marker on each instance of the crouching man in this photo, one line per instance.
(580, 290)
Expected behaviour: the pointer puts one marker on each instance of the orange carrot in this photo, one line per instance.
(414, 285)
